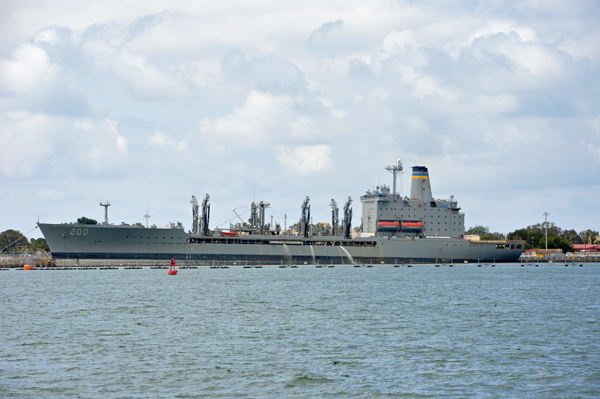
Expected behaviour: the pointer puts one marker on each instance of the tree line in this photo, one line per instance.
(535, 236)
(12, 241)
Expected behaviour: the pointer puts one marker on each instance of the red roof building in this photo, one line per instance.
(586, 247)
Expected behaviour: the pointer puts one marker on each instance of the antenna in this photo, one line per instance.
(105, 205)
(395, 169)
(147, 215)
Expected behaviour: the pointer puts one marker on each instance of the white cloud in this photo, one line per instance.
(100, 99)
(37, 145)
(28, 70)
(101, 149)
(161, 140)
(401, 43)
(305, 160)
(261, 120)
(525, 33)
(133, 70)
(27, 142)
(325, 30)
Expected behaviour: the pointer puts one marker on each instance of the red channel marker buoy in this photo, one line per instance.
(172, 268)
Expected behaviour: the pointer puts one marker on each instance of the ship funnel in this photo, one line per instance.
(420, 188)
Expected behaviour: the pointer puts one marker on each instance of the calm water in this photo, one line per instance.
(418, 332)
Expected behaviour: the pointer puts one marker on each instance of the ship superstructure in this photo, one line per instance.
(385, 213)
(418, 228)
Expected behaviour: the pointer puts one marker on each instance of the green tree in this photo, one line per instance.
(478, 230)
(552, 228)
(84, 220)
(39, 244)
(556, 242)
(484, 233)
(293, 229)
(588, 236)
(9, 239)
(572, 237)
(531, 236)
(535, 237)
(492, 236)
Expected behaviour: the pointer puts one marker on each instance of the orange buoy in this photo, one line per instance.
(172, 268)
(27, 267)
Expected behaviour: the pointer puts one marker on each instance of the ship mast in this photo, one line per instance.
(105, 205)
(395, 169)
(147, 215)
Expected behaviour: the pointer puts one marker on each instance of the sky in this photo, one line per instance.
(145, 104)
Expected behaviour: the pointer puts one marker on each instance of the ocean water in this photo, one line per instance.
(344, 332)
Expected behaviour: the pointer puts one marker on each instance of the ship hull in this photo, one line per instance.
(95, 242)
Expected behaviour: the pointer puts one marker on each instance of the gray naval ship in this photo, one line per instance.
(415, 229)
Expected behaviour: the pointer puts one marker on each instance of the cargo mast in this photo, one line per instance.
(196, 220)
(335, 218)
(205, 216)
(304, 227)
(347, 224)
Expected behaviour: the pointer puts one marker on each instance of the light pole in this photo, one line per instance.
(546, 214)
(285, 223)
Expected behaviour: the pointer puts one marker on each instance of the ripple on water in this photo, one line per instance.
(394, 332)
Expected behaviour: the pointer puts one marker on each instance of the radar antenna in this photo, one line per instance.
(105, 205)
(395, 169)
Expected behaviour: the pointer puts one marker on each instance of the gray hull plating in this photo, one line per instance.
(69, 241)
